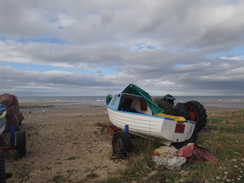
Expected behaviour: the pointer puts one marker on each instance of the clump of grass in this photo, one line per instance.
(111, 180)
(141, 159)
(45, 168)
(72, 158)
(58, 178)
(92, 176)
(22, 170)
(102, 130)
(58, 163)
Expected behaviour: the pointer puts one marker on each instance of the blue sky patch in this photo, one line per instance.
(2, 38)
(109, 70)
(43, 40)
(139, 46)
(238, 51)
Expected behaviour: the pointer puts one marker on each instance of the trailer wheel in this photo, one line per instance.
(21, 142)
(196, 112)
(2, 167)
(121, 144)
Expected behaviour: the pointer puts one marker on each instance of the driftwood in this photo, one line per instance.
(14, 116)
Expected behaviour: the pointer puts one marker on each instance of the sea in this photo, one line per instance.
(93, 101)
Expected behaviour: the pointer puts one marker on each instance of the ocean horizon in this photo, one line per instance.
(86, 101)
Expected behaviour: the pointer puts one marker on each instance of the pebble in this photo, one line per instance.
(225, 177)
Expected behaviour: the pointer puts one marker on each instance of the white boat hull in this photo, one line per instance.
(165, 129)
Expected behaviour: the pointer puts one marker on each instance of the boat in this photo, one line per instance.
(3, 113)
(134, 109)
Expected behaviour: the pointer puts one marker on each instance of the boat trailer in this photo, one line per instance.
(110, 128)
(192, 151)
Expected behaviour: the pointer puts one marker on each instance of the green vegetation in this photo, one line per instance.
(111, 180)
(62, 178)
(223, 137)
(72, 158)
(92, 176)
(58, 178)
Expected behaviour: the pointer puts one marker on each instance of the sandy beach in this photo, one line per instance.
(64, 144)
(67, 145)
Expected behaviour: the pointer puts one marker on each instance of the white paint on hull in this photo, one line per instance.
(151, 126)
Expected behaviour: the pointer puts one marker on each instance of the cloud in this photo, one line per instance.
(183, 48)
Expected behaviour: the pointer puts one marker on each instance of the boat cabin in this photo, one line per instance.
(130, 103)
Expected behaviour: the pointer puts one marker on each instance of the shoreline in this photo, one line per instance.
(223, 106)
(26, 107)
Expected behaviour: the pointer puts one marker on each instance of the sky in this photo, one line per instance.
(95, 48)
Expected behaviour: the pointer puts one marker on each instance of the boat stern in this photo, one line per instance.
(176, 132)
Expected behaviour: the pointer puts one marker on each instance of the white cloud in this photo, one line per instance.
(161, 44)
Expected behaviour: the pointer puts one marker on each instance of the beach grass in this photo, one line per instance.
(223, 136)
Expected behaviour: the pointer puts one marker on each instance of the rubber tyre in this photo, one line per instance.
(196, 112)
(121, 144)
(166, 106)
(180, 110)
(2, 167)
(21, 142)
